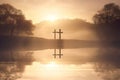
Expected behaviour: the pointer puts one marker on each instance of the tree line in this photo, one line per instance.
(13, 22)
(106, 22)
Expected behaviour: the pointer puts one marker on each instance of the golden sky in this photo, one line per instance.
(38, 10)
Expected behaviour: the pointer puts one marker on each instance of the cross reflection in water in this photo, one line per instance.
(55, 55)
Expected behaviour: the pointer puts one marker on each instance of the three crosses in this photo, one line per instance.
(59, 43)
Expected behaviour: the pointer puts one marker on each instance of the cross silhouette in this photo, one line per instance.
(59, 32)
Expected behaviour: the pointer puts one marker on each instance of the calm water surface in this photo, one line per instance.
(75, 64)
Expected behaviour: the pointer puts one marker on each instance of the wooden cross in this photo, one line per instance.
(59, 32)
(54, 33)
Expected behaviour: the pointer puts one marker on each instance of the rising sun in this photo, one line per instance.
(51, 18)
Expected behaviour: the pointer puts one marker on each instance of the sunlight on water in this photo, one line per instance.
(51, 65)
(75, 64)
(70, 56)
(54, 71)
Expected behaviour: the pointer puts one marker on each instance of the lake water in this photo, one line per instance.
(75, 64)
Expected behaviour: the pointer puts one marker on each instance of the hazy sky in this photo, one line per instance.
(38, 10)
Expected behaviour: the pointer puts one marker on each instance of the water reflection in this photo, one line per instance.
(58, 71)
(82, 63)
(12, 64)
(107, 64)
(71, 56)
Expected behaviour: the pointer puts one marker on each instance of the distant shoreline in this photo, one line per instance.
(34, 43)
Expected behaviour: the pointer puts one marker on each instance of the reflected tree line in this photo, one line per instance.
(107, 63)
(12, 64)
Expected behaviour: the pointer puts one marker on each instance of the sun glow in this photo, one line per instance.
(51, 18)
(51, 64)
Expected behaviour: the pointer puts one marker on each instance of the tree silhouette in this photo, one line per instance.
(107, 22)
(13, 22)
(109, 13)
